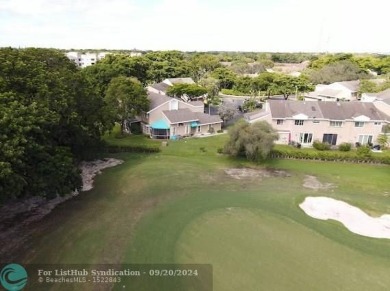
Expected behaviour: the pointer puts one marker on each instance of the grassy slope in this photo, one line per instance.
(179, 206)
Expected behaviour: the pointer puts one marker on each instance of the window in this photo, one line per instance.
(365, 139)
(298, 122)
(316, 121)
(181, 124)
(199, 129)
(305, 138)
(336, 123)
(279, 121)
(359, 124)
(330, 138)
(377, 123)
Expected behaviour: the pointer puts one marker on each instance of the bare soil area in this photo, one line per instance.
(312, 182)
(248, 173)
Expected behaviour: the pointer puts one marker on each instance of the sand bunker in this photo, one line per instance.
(245, 173)
(312, 182)
(353, 218)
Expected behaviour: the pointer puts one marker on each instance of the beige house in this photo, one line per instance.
(331, 122)
(169, 118)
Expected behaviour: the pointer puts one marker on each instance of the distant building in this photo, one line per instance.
(88, 59)
(85, 59)
(338, 91)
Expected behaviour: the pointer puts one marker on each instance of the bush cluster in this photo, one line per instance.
(345, 147)
(234, 92)
(355, 157)
(132, 149)
(321, 146)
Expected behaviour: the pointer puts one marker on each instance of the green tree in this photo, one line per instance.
(212, 86)
(225, 76)
(263, 82)
(201, 64)
(367, 86)
(327, 59)
(190, 90)
(250, 104)
(288, 85)
(344, 70)
(383, 140)
(50, 116)
(253, 141)
(167, 64)
(126, 98)
(226, 113)
(115, 65)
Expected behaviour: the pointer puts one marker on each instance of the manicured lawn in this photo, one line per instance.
(179, 206)
(115, 138)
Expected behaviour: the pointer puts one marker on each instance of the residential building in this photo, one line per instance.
(85, 59)
(379, 96)
(332, 122)
(170, 117)
(90, 58)
(338, 91)
(162, 87)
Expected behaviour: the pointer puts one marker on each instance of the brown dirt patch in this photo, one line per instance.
(311, 182)
(248, 173)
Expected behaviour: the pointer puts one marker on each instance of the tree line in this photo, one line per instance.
(52, 116)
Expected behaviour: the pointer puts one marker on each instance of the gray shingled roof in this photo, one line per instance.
(351, 85)
(206, 119)
(196, 103)
(181, 115)
(157, 99)
(350, 110)
(384, 94)
(328, 92)
(255, 114)
(185, 115)
(285, 109)
(160, 86)
(325, 110)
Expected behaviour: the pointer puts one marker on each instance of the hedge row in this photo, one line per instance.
(132, 149)
(336, 156)
(234, 92)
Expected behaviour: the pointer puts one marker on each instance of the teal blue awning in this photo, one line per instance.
(160, 124)
(194, 124)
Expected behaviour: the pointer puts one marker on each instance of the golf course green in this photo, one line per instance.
(180, 206)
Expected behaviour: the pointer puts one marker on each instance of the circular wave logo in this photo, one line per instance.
(13, 277)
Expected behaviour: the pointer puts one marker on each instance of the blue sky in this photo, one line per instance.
(244, 25)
